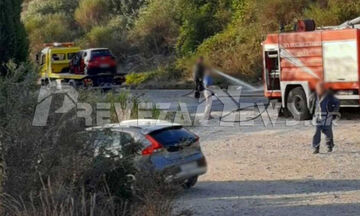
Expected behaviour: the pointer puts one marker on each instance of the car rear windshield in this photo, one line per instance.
(173, 136)
(99, 53)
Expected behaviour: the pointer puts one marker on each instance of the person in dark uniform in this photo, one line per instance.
(198, 72)
(326, 108)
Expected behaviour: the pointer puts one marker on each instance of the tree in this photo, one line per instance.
(92, 13)
(156, 29)
(13, 39)
(201, 20)
(126, 7)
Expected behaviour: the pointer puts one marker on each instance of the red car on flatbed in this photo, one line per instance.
(99, 64)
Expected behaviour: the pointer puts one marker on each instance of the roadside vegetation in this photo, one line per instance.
(149, 34)
(52, 170)
(58, 169)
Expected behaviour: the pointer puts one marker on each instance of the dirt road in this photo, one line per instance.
(261, 171)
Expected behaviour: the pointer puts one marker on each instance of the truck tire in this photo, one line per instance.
(297, 104)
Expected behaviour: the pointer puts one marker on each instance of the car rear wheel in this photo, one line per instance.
(297, 104)
(191, 182)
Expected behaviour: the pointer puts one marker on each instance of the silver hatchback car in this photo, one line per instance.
(170, 148)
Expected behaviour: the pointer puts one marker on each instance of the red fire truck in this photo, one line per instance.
(294, 62)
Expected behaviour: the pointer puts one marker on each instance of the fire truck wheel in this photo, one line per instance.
(297, 105)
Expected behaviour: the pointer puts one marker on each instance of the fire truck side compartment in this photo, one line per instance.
(306, 57)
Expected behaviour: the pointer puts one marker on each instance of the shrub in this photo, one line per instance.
(49, 28)
(200, 20)
(237, 49)
(112, 34)
(139, 78)
(165, 73)
(333, 12)
(126, 7)
(46, 7)
(92, 12)
(129, 105)
(156, 29)
(53, 170)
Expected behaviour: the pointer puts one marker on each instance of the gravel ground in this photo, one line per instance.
(272, 171)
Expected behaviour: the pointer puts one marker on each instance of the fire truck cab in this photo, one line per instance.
(294, 62)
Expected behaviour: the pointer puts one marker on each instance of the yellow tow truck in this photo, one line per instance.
(54, 61)
(64, 63)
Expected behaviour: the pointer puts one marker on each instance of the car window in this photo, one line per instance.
(125, 139)
(107, 139)
(58, 57)
(113, 139)
(71, 55)
(173, 136)
(98, 53)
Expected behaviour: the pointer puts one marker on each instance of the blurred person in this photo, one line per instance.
(326, 108)
(198, 72)
(208, 82)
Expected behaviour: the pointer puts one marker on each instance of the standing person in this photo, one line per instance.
(208, 82)
(326, 107)
(199, 70)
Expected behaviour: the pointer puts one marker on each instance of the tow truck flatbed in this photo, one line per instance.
(69, 76)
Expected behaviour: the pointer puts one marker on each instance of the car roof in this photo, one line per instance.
(61, 49)
(144, 126)
(95, 49)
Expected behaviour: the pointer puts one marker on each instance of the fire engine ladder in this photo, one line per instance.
(355, 23)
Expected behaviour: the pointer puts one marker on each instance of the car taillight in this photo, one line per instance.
(197, 138)
(155, 145)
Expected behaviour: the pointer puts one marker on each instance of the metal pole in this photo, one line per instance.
(350, 23)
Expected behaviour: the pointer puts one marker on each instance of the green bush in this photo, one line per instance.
(161, 74)
(200, 20)
(112, 35)
(333, 12)
(45, 7)
(139, 78)
(129, 105)
(92, 13)
(237, 49)
(128, 8)
(48, 29)
(156, 28)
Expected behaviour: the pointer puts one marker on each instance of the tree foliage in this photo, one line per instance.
(200, 20)
(91, 13)
(228, 32)
(156, 28)
(13, 39)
